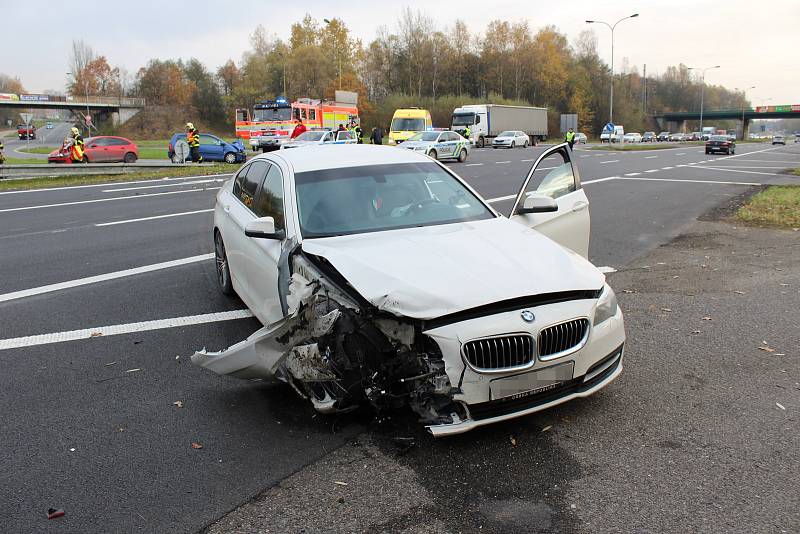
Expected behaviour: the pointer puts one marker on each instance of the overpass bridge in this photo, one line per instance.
(118, 109)
(675, 121)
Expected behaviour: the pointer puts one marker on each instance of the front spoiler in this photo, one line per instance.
(469, 424)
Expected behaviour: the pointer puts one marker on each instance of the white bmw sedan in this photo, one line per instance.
(382, 278)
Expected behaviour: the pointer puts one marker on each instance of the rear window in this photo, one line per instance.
(718, 138)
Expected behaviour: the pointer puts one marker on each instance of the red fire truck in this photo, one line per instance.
(272, 121)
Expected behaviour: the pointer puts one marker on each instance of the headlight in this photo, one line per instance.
(606, 305)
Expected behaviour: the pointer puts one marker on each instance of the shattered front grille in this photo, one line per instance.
(501, 352)
(562, 337)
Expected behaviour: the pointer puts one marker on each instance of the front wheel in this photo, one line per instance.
(525, 145)
(513, 144)
(462, 156)
(433, 154)
(130, 157)
(223, 269)
(481, 143)
(230, 157)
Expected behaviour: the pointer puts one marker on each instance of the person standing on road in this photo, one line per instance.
(377, 136)
(467, 133)
(341, 128)
(76, 150)
(193, 138)
(358, 132)
(299, 128)
(570, 138)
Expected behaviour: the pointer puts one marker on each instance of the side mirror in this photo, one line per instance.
(264, 228)
(537, 204)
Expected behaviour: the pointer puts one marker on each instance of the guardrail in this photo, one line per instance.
(55, 170)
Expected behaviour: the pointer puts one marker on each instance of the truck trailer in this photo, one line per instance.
(486, 121)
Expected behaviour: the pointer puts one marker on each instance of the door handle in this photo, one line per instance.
(579, 206)
(226, 208)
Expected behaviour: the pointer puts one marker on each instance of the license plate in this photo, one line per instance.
(532, 382)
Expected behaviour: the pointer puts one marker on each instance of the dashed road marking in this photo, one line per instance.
(154, 217)
(129, 197)
(501, 162)
(666, 168)
(633, 174)
(606, 269)
(681, 154)
(500, 199)
(473, 164)
(650, 157)
(723, 169)
(103, 277)
(162, 185)
(690, 181)
(118, 329)
(610, 161)
(46, 189)
(652, 170)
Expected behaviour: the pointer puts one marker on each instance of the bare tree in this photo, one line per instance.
(80, 56)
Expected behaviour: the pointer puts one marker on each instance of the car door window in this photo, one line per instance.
(269, 202)
(553, 177)
(117, 142)
(208, 140)
(249, 183)
(98, 142)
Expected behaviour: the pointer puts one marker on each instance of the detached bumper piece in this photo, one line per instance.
(597, 377)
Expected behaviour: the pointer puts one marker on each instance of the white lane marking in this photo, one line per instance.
(473, 164)
(154, 217)
(610, 161)
(162, 185)
(598, 180)
(103, 277)
(746, 172)
(770, 161)
(693, 163)
(650, 157)
(109, 184)
(666, 168)
(76, 202)
(690, 181)
(633, 174)
(681, 165)
(501, 162)
(535, 160)
(681, 154)
(586, 155)
(652, 170)
(117, 329)
(751, 167)
(606, 269)
(500, 199)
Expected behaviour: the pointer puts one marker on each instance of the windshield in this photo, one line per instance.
(424, 136)
(463, 119)
(408, 125)
(272, 114)
(354, 200)
(310, 136)
(507, 133)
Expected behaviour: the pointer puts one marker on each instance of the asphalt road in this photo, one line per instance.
(44, 137)
(90, 425)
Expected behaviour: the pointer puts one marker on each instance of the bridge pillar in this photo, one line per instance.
(123, 115)
(675, 126)
(745, 128)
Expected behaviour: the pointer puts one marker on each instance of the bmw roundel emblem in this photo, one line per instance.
(528, 316)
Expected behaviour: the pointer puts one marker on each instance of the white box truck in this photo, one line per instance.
(486, 121)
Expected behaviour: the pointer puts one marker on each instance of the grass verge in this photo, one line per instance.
(25, 161)
(38, 149)
(778, 205)
(177, 171)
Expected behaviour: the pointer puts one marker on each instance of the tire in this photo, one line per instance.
(264, 150)
(525, 145)
(513, 144)
(130, 157)
(481, 143)
(708, 152)
(733, 152)
(433, 154)
(222, 267)
(462, 156)
(230, 157)
(175, 159)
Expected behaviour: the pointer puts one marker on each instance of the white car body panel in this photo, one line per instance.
(520, 139)
(445, 148)
(459, 281)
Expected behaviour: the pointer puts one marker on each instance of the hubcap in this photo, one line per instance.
(219, 250)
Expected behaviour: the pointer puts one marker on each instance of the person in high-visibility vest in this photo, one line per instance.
(193, 138)
(467, 133)
(76, 150)
(2, 157)
(570, 138)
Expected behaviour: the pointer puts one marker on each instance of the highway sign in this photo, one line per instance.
(26, 117)
(609, 127)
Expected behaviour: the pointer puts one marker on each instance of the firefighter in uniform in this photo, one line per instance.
(570, 138)
(76, 150)
(193, 138)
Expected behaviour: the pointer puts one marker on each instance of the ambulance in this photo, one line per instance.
(272, 121)
(407, 122)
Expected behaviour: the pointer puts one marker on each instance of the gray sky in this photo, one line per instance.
(755, 43)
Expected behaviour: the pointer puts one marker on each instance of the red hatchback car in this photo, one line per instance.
(101, 149)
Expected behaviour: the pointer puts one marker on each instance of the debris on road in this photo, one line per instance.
(779, 405)
(95, 334)
(548, 427)
(109, 364)
(707, 318)
(178, 403)
(339, 483)
(196, 445)
(52, 513)
(513, 441)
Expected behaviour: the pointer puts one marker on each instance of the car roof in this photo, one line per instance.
(319, 157)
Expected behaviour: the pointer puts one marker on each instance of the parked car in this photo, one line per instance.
(664, 136)
(321, 137)
(26, 131)
(797, 138)
(212, 148)
(100, 149)
(439, 145)
(632, 137)
(367, 265)
(778, 139)
(581, 138)
(649, 137)
(695, 136)
(677, 137)
(720, 143)
(511, 139)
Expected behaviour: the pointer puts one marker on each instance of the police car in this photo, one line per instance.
(321, 137)
(439, 145)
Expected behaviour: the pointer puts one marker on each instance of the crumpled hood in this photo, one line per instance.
(428, 272)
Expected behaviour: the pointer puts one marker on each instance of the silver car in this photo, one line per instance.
(438, 145)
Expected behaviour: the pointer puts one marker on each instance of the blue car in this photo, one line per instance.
(212, 148)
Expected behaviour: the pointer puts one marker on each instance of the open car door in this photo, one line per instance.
(552, 201)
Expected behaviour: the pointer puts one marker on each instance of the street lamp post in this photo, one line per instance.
(702, 90)
(339, 56)
(744, 99)
(611, 27)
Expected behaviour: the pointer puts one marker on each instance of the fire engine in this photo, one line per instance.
(272, 121)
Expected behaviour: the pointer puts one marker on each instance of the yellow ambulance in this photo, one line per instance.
(407, 122)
